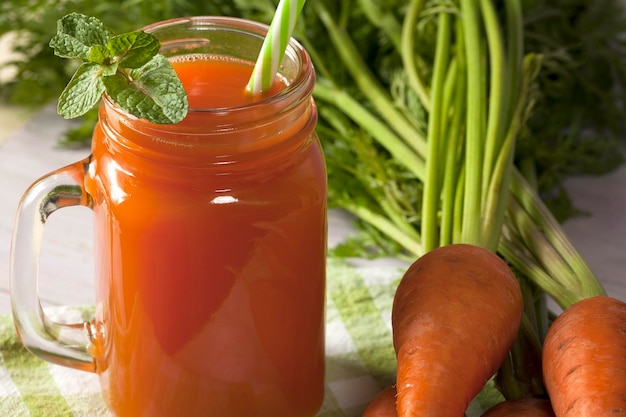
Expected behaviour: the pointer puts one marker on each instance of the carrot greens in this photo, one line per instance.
(479, 96)
(469, 146)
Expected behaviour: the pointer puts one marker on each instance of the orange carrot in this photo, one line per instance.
(455, 315)
(584, 359)
(524, 407)
(383, 405)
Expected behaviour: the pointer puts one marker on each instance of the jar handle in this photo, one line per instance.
(63, 344)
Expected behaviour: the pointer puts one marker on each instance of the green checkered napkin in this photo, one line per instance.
(360, 359)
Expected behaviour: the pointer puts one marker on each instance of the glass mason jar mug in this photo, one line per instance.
(210, 241)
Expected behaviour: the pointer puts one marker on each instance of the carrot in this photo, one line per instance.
(524, 407)
(584, 359)
(383, 405)
(455, 315)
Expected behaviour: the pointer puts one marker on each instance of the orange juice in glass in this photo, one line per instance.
(210, 241)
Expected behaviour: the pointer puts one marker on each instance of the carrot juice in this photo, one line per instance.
(210, 249)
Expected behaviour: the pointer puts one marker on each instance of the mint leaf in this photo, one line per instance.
(151, 92)
(99, 54)
(128, 67)
(133, 50)
(76, 34)
(83, 92)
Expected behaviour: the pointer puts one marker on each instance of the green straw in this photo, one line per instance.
(274, 46)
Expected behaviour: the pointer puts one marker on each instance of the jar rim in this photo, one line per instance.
(301, 85)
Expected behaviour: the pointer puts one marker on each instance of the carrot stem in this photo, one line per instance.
(496, 122)
(369, 122)
(383, 224)
(436, 144)
(368, 84)
(474, 124)
(408, 52)
(454, 155)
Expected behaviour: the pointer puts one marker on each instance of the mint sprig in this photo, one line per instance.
(127, 67)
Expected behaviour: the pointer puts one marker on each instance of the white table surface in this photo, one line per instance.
(28, 149)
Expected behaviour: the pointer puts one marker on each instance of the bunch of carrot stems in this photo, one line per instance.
(477, 99)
